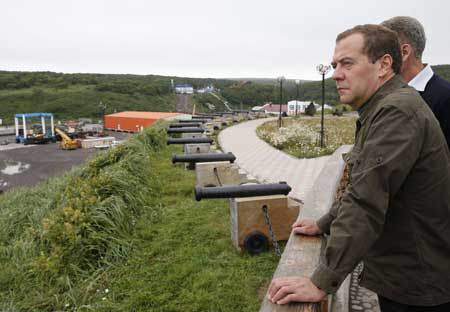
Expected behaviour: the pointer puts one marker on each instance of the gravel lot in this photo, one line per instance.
(27, 165)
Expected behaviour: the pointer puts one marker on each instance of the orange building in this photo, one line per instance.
(135, 121)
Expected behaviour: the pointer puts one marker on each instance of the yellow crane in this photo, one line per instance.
(66, 142)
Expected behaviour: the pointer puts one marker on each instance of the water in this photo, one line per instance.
(11, 167)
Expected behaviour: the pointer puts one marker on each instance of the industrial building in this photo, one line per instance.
(136, 121)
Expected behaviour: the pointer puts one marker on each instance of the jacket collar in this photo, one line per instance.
(419, 82)
(367, 108)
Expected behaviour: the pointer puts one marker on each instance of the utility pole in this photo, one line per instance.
(323, 70)
(297, 82)
(280, 80)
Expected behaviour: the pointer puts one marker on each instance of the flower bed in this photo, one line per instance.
(300, 137)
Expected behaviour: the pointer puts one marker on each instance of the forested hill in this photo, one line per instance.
(442, 70)
(79, 95)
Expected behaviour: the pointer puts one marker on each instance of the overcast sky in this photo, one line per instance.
(197, 38)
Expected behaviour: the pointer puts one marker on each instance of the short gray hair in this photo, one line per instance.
(409, 30)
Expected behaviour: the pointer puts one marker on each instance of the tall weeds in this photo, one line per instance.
(72, 228)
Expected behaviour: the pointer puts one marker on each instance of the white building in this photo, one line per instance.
(301, 106)
(319, 107)
(184, 89)
(207, 89)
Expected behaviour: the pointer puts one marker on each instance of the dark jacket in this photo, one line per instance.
(395, 212)
(437, 96)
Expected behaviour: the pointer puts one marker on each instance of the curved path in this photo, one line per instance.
(266, 163)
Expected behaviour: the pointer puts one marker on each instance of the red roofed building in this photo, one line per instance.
(135, 121)
(270, 108)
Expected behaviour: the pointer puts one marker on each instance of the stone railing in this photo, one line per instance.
(302, 253)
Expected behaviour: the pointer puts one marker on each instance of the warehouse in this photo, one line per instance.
(136, 121)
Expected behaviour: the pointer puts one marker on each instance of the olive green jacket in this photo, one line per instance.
(395, 212)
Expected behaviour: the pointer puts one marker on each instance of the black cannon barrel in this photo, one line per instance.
(200, 117)
(192, 120)
(242, 190)
(204, 157)
(203, 120)
(185, 130)
(195, 118)
(189, 140)
(185, 124)
(208, 114)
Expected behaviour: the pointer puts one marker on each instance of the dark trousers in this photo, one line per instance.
(388, 305)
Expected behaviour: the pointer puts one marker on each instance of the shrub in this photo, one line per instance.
(310, 110)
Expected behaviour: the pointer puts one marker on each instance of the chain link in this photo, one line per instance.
(276, 246)
(216, 173)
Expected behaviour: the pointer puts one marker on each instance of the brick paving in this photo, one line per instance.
(267, 164)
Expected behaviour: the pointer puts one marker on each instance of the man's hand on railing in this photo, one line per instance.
(306, 227)
(294, 289)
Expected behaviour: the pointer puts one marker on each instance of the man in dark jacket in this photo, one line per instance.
(395, 212)
(433, 89)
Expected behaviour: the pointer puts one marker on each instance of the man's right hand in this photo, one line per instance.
(306, 227)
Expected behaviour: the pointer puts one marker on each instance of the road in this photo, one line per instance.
(184, 104)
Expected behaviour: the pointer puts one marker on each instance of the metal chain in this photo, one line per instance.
(276, 246)
(216, 172)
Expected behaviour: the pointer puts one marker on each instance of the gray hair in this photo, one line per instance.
(409, 30)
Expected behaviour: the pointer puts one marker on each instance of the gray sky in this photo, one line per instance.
(197, 38)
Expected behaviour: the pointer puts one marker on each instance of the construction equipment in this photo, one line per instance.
(39, 135)
(66, 142)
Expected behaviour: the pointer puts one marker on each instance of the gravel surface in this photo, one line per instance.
(28, 165)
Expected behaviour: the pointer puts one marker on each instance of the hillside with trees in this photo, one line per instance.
(89, 95)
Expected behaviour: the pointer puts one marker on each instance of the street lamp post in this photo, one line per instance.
(297, 82)
(323, 70)
(280, 80)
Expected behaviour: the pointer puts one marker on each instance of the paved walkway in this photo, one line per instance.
(267, 164)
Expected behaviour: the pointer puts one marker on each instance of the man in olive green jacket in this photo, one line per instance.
(395, 212)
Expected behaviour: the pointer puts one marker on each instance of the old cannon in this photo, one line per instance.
(196, 158)
(242, 190)
(185, 124)
(185, 130)
(192, 120)
(200, 119)
(189, 141)
(260, 213)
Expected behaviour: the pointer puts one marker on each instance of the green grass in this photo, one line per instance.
(186, 262)
(124, 233)
(300, 136)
